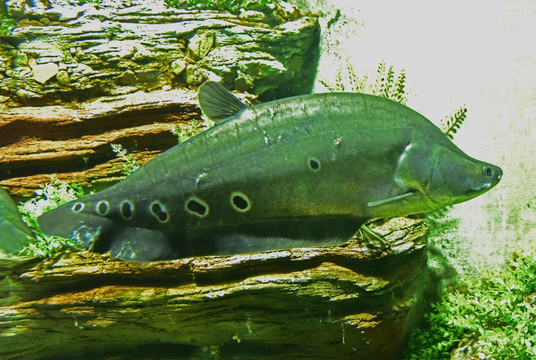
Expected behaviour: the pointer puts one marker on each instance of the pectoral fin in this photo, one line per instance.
(391, 199)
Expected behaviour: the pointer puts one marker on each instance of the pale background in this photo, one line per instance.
(481, 54)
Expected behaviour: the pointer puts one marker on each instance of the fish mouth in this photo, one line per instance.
(488, 185)
(482, 187)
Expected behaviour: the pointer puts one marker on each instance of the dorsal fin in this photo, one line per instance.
(218, 103)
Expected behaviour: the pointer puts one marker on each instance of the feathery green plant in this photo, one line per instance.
(385, 83)
(452, 123)
(492, 317)
(130, 164)
(190, 129)
(387, 86)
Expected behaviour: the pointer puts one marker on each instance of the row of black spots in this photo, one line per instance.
(126, 209)
(198, 207)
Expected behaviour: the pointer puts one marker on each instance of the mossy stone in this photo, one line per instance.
(63, 78)
(201, 44)
(21, 59)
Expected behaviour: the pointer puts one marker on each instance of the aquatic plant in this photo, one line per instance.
(385, 82)
(6, 22)
(130, 165)
(387, 86)
(489, 317)
(232, 6)
(452, 123)
(190, 129)
(48, 197)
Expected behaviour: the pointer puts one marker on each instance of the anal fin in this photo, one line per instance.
(271, 234)
(141, 244)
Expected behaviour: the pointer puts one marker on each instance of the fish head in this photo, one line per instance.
(441, 174)
(456, 177)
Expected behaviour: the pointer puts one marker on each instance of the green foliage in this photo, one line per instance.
(190, 129)
(493, 315)
(232, 6)
(451, 123)
(130, 164)
(386, 85)
(385, 82)
(49, 197)
(6, 22)
(347, 80)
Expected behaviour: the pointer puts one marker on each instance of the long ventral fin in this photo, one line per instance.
(218, 103)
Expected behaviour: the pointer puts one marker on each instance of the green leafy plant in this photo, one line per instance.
(47, 198)
(130, 165)
(390, 85)
(491, 317)
(452, 123)
(385, 82)
(190, 129)
(6, 22)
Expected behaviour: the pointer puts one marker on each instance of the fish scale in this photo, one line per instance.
(301, 171)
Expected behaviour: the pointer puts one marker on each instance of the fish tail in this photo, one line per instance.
(101, 234)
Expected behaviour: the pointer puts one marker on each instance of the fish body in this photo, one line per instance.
(301, 171)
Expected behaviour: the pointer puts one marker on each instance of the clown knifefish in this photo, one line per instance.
(302, 171)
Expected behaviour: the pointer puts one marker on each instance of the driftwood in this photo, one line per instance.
(76, 76)
(75, 141)
(345, 302)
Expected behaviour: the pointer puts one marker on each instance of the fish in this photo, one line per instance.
(302, 171)
(14, 234)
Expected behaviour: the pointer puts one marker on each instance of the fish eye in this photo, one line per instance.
(486, 170)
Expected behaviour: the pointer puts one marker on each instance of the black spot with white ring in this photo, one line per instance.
(240, 202)
(76, 208)
(127, 209)
(102, 207)
(159, 211)
(197, 207)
